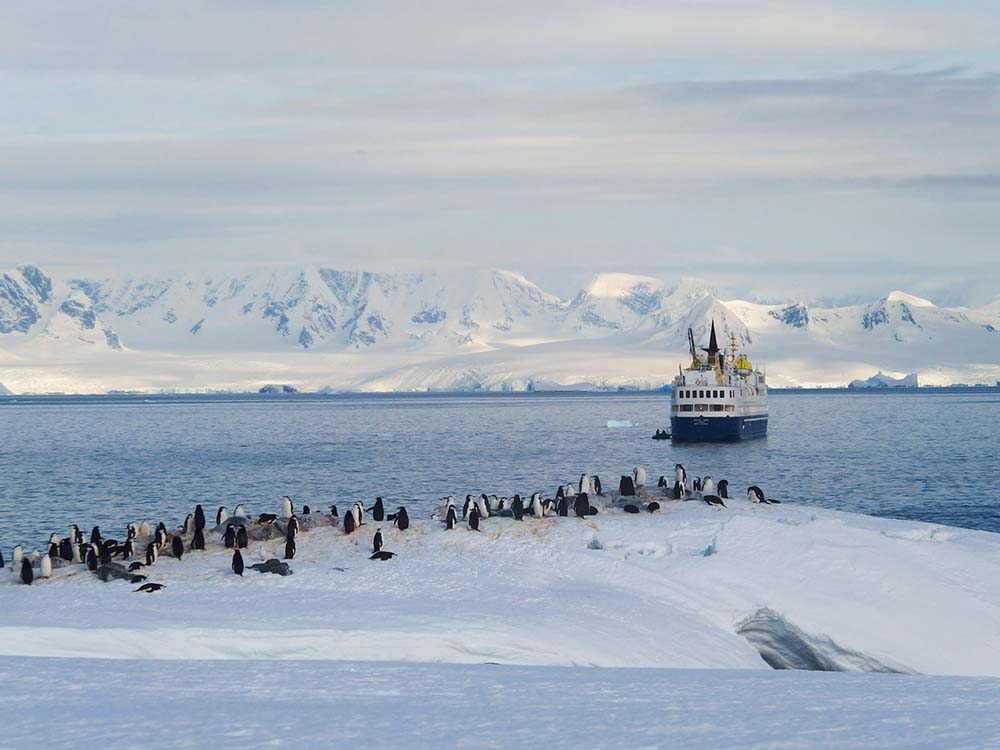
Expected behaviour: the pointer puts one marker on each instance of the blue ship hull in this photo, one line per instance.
(717, 429)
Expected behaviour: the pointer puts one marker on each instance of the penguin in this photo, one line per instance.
(560, 492)
(474, 518)
(596, 483)
(27, 574)
(130, 531)
(713, 500)
(95, 535)
(517, 508)
(1, 559)
(680, 475)
(199, 518)
(135, 566)
(45, 567)
(289, 547)
(377, 540)
(378, 511)
(678, 493)
(104, 555)
(563, 507)
(53, 550)
(451, 520)
(78, 553)
(15, 560)
(128, 550)
(585, 485)
(653, 507)
(382, 555)
(143, 528)
(631, 509)
(466, 506)
(238, 511)
(662, 482)
(177, 547)
(536, 505)
(723, 488)
(708, 486)
(151, 553)
(136, 579)
(483, 506)
(626, 486)
(305, 510)
(221, 515)
(591, 511)
(358, 512)
(286, 507)
(696, 484)
(639, 476)
(242, 540)
(582, 506)
(149, 588)
(188, 525)
(349, 525)
(293, 524)
(237, 562)
(402, 519)
(229, 538)
(75, 534)
(755, 494)
(35, 556)
(198, 541)
(266, 518)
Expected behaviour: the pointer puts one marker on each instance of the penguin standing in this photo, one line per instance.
(517, 508)
(349, 523)
(289, 546)
(378, 511)
(584, 485)
(582, 506)
(465, 508)
(474, 518)
(229, 538)
(188, 526)
(128, 550)
(708, 486)
(27, 574)
(93, 557)
(483, 506)
(1, 559)
(333, 512)
(286, 507)
(46, 566)
(536, 505)
(563, 508)
(359, 516)
(626, 486)
(402, 519)
(143, 529)
(198, 542)
(451, 520)
(151, 553)
(237, 562)
(238, 511)
(678, 493)
(242, 541)
(597, 486)
(95, 535)
(15, 560)
(639, 476)
(177, 547)
(75, 533)
(377, 540)
(680, 475)
(199, 518)
(221, 515)
(723, 488)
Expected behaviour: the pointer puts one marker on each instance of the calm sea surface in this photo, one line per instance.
(110, 460)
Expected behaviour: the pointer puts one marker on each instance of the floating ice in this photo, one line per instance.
(613, 423)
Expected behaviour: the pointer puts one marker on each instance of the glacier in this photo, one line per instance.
(317, 328)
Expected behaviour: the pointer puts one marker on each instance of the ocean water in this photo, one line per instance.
(111, 460)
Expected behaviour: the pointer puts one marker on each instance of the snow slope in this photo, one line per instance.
(315, 327)
(690, 587)
(255, 703)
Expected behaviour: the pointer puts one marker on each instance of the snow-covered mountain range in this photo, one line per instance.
(319, 327)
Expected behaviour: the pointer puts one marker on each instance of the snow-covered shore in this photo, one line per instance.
(681, 588)
(246, 704)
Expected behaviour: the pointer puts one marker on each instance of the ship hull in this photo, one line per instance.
(717, 429)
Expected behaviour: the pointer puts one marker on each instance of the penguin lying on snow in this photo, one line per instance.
(756, 495)
(653, 507)
(631, 509)
(382, 555)
(713, 500)
(149, 588)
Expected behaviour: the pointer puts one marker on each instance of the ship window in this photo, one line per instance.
(716, 407)
(686, 407)
(730, 407)
(701, 407)
(715, 394)
(701, 394)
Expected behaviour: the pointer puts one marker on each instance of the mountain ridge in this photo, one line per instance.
(320, 326)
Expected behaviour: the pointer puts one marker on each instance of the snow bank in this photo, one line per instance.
(671, 589)
(350, 705)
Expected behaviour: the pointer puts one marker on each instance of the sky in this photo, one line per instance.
(816, 150)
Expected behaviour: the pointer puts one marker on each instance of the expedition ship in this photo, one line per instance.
(720, 397)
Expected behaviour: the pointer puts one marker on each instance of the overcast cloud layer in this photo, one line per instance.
(836, 150)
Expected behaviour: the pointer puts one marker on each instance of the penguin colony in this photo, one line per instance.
(100, 555)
